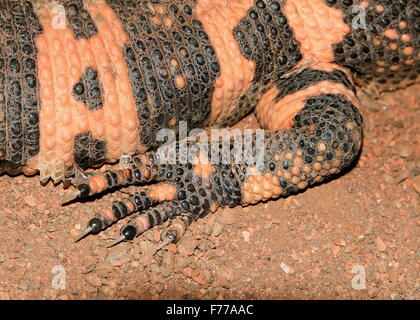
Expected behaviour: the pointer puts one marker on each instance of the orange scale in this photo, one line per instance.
(103, 62)
(50, 143)
(50, 128)
(49, 27)
(56, 46)
(48, 108)
(67, 147)
(80, 109)
(336, 13)
(47, 93)
(96, 43)
(132, 139)
(88, 58)
(67, 35)
(406, 38)
(120, 34)
(114, 51)
(345, 28)
(74, 73)
(231, 86)
(312, 24)
(391, 34)
(377, 42)
(332, 38)
(303, 35)
(306, 11)
(322, 12)
(98, 115)
(71, 47)
(62, 80)
(83, 125)
(66, 118)
(43, 60)
(294, 15)
(67, 136)
(125, 88)
(82, 43)
(114, 133)
(63, 100)
(131, 124)
(408, 51)
(113, 143)
(317, 36)
(218, 41)
(107, 78)
(107, 35)
(68, 158)
(119, 68)
(379, 8)
(218, 95)
(113, 153)
(127, 108)
(393, 46)
(49, 156)
(112, 99)
(114, 120)
(59, 66)
(99, 130)
(41, 43)
(74, 60)
(45, 77)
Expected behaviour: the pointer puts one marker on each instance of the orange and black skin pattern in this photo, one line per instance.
(87, 82)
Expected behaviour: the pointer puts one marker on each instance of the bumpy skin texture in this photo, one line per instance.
(87, 82)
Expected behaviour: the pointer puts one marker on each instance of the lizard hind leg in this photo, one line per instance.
(189, 190)
(314, 132)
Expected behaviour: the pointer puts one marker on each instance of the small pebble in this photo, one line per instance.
(416, 184)
(404, 150)
(217, 229)
(208, 229)
(30, 201)
(94, 280)
(380, 245)
(286, 268)
(246, 235)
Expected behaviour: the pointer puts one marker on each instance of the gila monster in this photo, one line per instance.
(89, 82)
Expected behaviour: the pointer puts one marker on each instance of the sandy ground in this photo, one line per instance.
(306, 246)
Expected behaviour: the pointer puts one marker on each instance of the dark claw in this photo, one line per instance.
(82, 191)
(95, 226)
(129, 232)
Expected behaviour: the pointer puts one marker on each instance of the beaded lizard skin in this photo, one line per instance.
(89, 82)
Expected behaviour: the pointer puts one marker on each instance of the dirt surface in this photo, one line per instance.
(302, 247)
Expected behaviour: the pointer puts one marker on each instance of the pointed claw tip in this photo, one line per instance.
(117, 241)
(72, 196)
(164, 243)
(85, 234)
